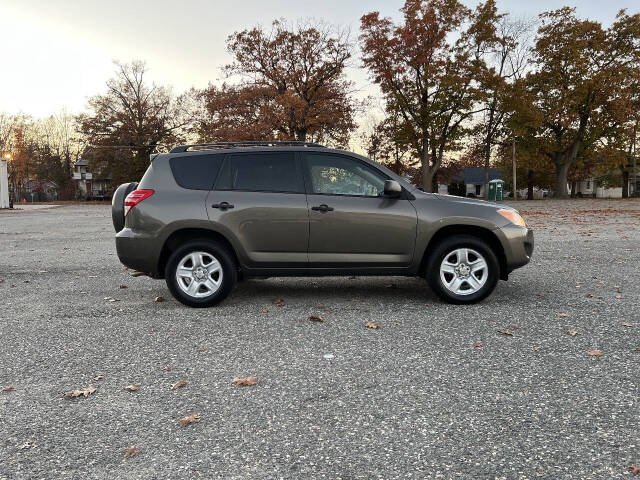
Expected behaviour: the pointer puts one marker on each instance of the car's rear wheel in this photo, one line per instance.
(201, 273)
(463, 269)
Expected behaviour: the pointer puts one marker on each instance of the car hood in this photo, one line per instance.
(471, 201)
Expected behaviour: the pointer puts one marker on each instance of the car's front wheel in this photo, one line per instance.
(201, 273)
(463, 269)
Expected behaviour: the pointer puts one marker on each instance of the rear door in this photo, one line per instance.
(259, 199)
(352, 225)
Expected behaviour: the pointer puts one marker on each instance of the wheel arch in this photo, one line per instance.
(178, 237)
(461, 229)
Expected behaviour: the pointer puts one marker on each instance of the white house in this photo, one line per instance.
(88, 185)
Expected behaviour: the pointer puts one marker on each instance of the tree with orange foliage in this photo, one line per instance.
(430, 84)
(292, 87)
(578, 83)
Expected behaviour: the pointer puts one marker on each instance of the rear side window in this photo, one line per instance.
(196, 172)
(261, 172)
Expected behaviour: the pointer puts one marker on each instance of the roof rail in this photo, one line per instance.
(212, 146)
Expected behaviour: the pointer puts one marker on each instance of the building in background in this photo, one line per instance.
(90, 185)
(4, 184)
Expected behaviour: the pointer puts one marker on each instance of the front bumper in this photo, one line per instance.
(137, 251)
(518, 245)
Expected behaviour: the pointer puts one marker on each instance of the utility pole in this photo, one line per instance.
(513, 155)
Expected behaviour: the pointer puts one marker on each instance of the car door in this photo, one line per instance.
(352, 225)
(259, 200)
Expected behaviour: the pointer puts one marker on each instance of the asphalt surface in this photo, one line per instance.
(417, 398)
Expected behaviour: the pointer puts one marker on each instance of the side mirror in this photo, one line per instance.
(392, 189)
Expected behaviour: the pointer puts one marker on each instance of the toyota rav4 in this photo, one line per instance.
(205, 215)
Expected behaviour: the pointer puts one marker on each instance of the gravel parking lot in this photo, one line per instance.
(435, 392)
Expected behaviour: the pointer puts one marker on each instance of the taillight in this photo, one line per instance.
(135, 198)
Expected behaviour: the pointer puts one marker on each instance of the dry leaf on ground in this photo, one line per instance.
(477, 345)
(506, 332)
(372, 325)
(203, 349)
(158, 299)
(562, 315)
(633, 469)
(167, 368)
(626, 324)
(189, 419)
(246, 381)
(180, 384)
(83, 392)
(7, 389)
(573, 333)
(316, 318)
(132, 388)
(278, 302)
(130, 452)
(138, 274)
(97, 378)
(595, 353)
(123, 286)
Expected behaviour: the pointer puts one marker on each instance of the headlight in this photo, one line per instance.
(512, 216)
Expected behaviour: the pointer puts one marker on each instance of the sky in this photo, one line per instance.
(54, 55)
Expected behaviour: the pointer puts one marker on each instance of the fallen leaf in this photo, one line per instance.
(97, 378)
(316, 318)
(180, 384)
(132, 388)
(595, 353)
(203, 349)
(130, 452)
(278, 302)
(573, 333)
(2, 281)
(245, 382)
(189, 419)
(477, 345)
(618, 296)
(123, 286)
(372, 325)
(514, 327)
(562, 315)
(626, 324)
(637, 350)
(84, 392)
(265, 310)
(159, 299)
(634, 470)
(7, 389)
(138, 274)
(506, 332)
(167, 368)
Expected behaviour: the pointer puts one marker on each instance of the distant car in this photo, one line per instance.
(205, 215)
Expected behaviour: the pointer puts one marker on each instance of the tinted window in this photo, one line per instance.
(196, 172)
(261, 172)
(337, 175)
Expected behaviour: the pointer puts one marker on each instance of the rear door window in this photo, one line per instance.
(261, 172)
(196, 172)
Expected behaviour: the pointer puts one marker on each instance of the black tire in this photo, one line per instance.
(117, 204)
(218, 251)
(445, 249)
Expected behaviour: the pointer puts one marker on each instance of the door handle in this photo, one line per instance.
(222, 205)
(323, 208)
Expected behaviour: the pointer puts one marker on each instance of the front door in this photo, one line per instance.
(352, 225)
(259, 199)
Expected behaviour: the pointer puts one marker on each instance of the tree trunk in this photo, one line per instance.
(487, 157)
(573, 189)
(625, 184)
(530, 185)
(562, 169)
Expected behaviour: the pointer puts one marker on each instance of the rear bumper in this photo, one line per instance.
(518, 243)
(137, 251)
